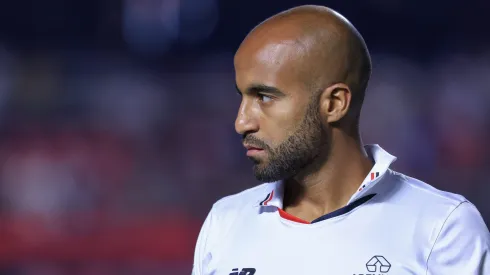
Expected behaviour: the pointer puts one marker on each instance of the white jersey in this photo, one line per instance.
(393, 224)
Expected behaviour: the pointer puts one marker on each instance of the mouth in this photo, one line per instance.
(253, 150)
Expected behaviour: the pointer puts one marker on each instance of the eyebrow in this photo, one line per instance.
(261, 88)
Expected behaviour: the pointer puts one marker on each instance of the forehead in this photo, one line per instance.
(278, 63)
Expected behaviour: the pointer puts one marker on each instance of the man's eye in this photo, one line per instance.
(264, 98)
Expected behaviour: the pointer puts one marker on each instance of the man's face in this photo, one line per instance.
(278, 117)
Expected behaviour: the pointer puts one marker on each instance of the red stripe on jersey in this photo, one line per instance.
(287, 216)
(270, 198)
(372, 176)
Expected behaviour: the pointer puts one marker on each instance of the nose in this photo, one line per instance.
(246, 121)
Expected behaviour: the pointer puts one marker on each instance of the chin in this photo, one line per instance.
(258, 161)
(258, 168)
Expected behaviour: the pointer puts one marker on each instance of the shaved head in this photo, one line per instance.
(329, 47)
(302, 75)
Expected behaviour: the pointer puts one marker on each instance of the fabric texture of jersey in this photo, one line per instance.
(393, 224)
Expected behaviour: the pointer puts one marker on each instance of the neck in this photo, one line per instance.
(329, 186)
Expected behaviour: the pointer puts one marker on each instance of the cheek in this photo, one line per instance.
(279, 124)
(277, 133)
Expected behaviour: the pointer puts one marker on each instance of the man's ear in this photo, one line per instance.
(334, 102)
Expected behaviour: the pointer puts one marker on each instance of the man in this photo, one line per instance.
(330, 204)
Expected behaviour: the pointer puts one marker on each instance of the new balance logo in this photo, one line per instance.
(244, 271)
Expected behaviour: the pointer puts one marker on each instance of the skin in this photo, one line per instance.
(300, 79)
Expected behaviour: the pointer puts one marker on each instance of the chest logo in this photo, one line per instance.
(378, 264)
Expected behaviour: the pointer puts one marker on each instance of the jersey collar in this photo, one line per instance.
(382, 161)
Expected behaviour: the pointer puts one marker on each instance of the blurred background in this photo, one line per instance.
(116, 119)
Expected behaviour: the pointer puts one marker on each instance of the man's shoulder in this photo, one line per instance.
(423, 193)
(424, 200)
(432, 208)
(448, 224)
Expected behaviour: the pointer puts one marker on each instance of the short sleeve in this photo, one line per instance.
(463, 244)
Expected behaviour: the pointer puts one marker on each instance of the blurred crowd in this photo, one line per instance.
(113, 165)
(117, 120)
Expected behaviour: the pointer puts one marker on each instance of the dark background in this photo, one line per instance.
(116, 119)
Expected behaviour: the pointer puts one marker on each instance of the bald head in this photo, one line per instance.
(324, 48)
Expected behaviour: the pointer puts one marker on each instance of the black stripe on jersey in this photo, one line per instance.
(266, 198)
(345, 209)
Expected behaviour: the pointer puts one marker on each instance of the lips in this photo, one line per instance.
(253, 150)
(251, 147)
